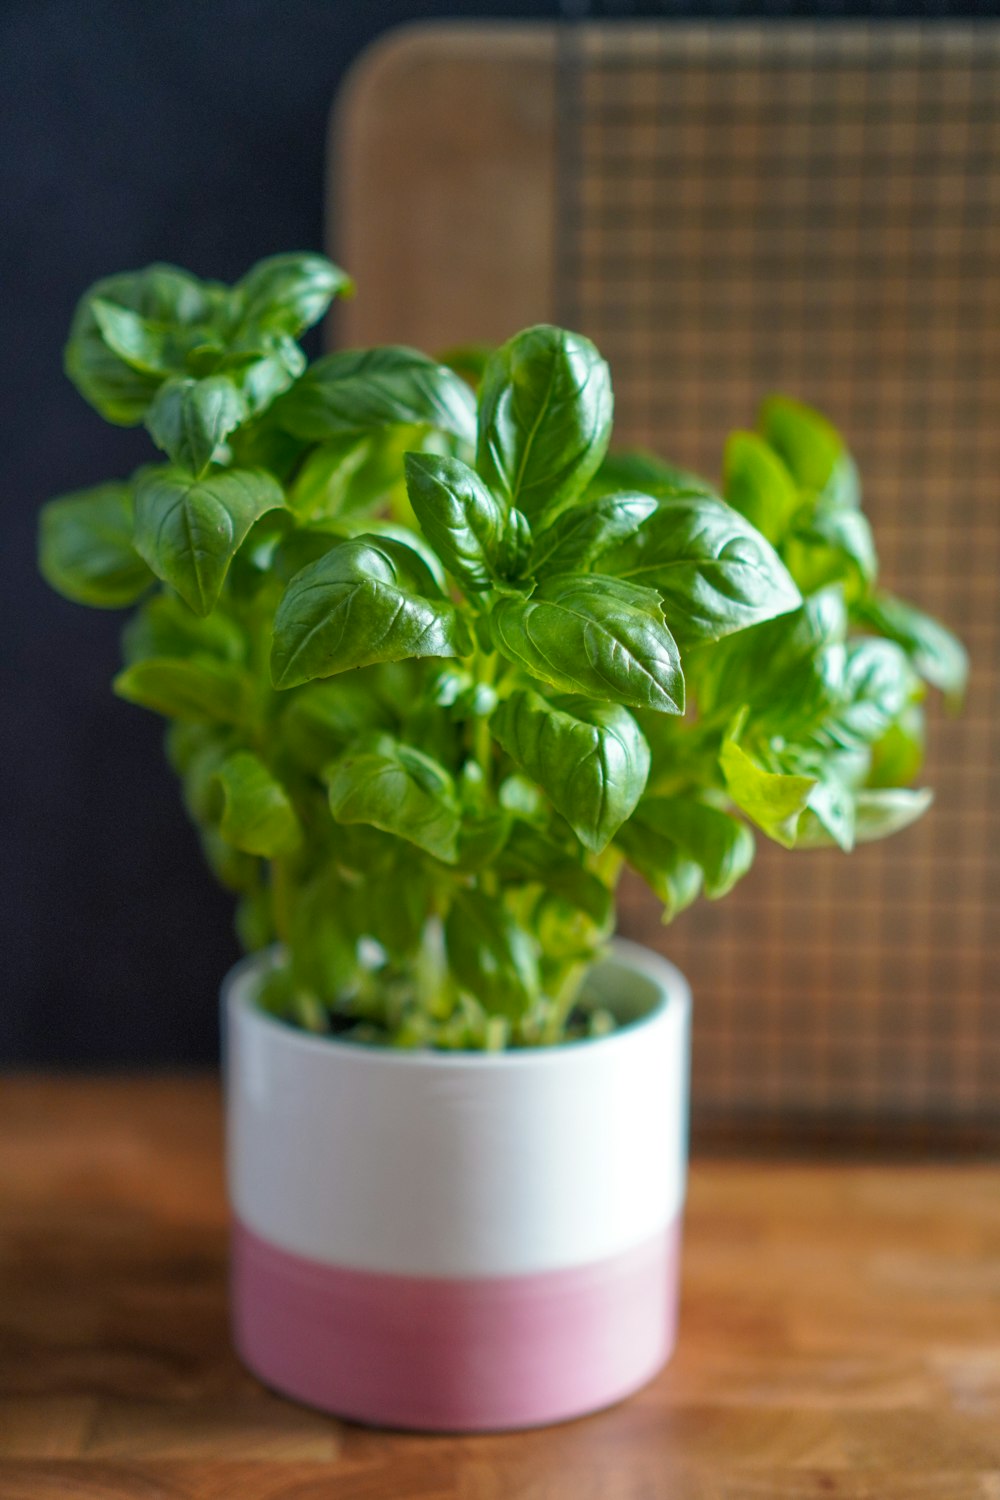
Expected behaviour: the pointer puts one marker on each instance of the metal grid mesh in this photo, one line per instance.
(817, 210)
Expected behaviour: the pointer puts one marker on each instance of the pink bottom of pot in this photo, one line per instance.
(455, 1355)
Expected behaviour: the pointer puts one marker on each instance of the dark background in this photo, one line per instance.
(190, 132)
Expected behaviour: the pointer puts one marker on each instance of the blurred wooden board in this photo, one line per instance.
(840, 1335)
(728, 210)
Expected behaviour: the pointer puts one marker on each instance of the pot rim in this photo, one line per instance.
(674, 991)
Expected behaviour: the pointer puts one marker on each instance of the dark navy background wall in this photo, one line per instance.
(190, 132)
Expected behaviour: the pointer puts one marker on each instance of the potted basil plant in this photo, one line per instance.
(437, 666)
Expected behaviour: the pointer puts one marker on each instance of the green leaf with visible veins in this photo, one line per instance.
(257, 814)
(590, 758)
(596, 636)
(290, 292)
(367, 600)
(544, 419)
(85, 549)
(360, 390)
(396, 788)
(582, 533)
(188, 530)
(715, 572)
(463, 520)
(188, 419)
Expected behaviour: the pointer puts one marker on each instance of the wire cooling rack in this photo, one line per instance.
(816, 209)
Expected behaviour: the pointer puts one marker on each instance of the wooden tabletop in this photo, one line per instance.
(840, 1335)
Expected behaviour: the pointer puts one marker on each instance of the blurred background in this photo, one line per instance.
(729, 199)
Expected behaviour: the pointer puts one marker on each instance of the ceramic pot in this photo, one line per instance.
(459, 1241)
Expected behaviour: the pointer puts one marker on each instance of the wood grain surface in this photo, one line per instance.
(840, 1335)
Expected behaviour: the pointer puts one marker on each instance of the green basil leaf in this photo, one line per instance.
(671, 874)
(832, 804)
(199, 689)
(593, 635)
(144, 345)
(544, 419)
(789, 671)
(715, 572)
(888, 810)
(257, 813)
(396, 788)
(759, 486)
(773, 801)
(323, 484)
(590, 758)
(160, 295)
(85, 549)
(645, 473)
(459, 516)
(356, 391)
(876, 686)
(189, 419)
(938, 656)
(876, 815)
(367, 600)
(491, 956)
(812, 449)
(578, 536)
(164, 626)
(290, 292)
(264, 379)
(722, 845)
(833, 543)
(188, 530)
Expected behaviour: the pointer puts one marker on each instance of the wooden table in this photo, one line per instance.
(840, 1335)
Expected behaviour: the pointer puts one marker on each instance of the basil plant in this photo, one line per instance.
(437, 665)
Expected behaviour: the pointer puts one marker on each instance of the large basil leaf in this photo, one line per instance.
(491, 955)
(85, 549)
(400, 790)
(367, 600)
(673, 875)
(189, 419)
(722, 845)
(575, 538)
(812, 450)
(775, 802)
(759, 486)
(937, 655)
(597, 636)
(290, 292)
(355, 391)
(715, 572)
(200, 689)
(188, 530)
(459, 516)
(158, 297)
(590, 758)
(257, 815)
(544, 419)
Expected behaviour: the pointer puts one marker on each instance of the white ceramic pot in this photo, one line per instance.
(459, 1241)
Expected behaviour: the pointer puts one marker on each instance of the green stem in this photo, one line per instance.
(281, 899)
